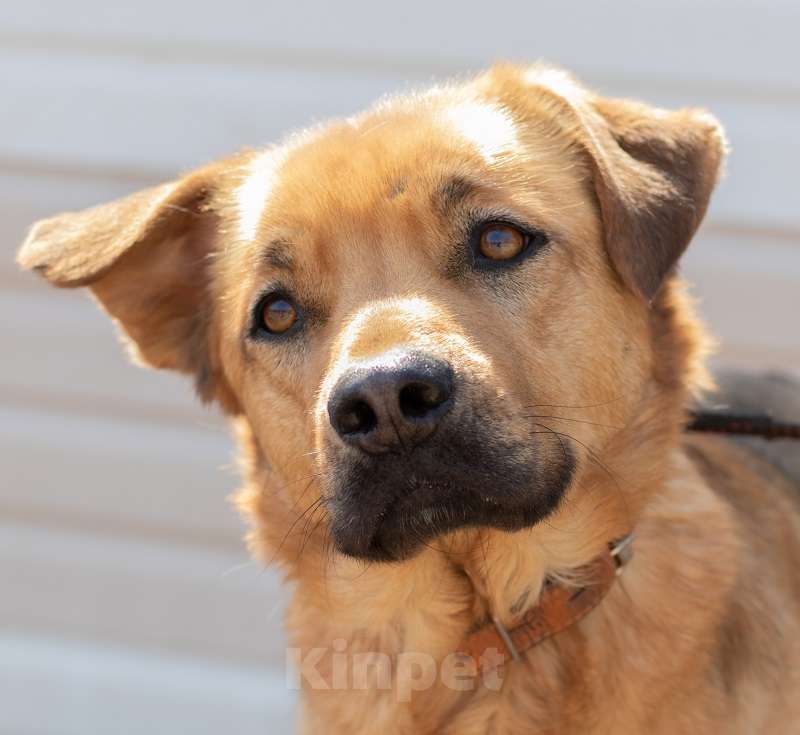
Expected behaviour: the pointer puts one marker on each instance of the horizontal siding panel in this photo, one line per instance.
(161, 118)
(756, 359)
(54, 686)
(63, 344)
(155, 596)
(733, 43)
(132, 479)
(748, 294)
(75, 113)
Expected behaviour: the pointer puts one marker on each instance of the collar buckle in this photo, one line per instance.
(505, 636)
(621, 552)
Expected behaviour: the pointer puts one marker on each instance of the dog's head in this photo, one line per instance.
(413, 308)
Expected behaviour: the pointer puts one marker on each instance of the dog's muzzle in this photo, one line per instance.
(413, 450)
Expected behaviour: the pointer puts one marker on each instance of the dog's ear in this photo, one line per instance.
(147, 258)
(653, 174)
(653, 170)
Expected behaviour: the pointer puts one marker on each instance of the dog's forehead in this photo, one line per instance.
(351, 166)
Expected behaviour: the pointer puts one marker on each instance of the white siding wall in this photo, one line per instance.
(127, 602)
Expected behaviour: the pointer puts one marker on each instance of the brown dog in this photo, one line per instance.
(450, 336)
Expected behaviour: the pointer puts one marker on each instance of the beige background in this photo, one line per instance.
(127, 603)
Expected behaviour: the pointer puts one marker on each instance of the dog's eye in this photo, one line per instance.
(278, 314)
(501, 242)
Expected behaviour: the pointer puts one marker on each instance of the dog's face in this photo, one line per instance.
(409, 307)
(399, 282)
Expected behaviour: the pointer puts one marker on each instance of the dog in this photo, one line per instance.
(451, 338)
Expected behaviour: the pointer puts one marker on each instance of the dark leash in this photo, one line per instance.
(742, 424)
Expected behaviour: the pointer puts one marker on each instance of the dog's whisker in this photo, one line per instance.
(308, 534)
(577, 408)
(297, 520)
(272, 492)
(592, 455)
(238, 567)
(311, 479)
(299, 455)
(577, 421)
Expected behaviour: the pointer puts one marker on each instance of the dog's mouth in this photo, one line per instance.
(389, 509)
(407, 526)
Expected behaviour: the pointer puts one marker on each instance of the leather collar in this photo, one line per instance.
(560, 606)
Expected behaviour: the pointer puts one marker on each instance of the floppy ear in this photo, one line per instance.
(653, 174)
(652, 170)
(147, 259)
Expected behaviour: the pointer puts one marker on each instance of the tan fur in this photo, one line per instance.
(700, 634)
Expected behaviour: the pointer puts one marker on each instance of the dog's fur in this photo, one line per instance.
(576, 366)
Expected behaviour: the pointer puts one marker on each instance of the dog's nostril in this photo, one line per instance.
(395, 402)
(356, 417)
(419, 399)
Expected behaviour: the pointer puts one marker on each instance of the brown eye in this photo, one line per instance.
(501, 242)
(278, 314)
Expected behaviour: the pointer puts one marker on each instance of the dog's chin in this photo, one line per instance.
(417, 511)
(404, 532)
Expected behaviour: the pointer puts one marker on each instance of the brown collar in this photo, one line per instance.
(559, 607)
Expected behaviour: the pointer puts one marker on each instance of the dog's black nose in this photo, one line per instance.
(393, 402)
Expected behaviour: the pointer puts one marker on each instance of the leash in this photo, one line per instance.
(742, 424)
